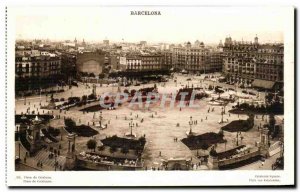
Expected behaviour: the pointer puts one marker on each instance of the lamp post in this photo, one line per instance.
(191, 123)
(130, 126)
(222, 113)
(100, 119)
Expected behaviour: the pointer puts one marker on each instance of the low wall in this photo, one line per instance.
(238, 158)
(101, 166)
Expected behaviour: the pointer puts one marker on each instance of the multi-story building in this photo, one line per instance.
(196, 59)
(214, 61)
(133, 63)
(167, 59)
(260, 65)
(36, 71)
(144, 62)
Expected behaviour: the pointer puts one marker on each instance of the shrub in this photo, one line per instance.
(91, 144)
(70, 123)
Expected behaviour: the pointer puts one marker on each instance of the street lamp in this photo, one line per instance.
(191, 123)
(100, 117)
(130, 126)
(222, 113)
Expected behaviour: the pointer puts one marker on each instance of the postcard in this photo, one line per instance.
(150, 96)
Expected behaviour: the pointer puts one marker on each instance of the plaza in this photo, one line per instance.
(163, 127)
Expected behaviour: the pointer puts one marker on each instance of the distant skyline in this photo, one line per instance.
(174, 25)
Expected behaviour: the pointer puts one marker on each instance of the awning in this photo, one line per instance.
(263, 84)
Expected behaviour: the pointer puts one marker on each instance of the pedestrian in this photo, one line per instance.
(206, 118)
(24, 159)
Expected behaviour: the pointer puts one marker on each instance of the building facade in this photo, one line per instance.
(196, 59)
(252, 62)
(36, 72)
(90, 62)
(146, 62)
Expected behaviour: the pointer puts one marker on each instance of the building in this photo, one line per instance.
(144, 62)
(252, 63)
(167, 60)
(90, 62)
(133, 63)
(214, 61)
(35, 72)
(196, 59)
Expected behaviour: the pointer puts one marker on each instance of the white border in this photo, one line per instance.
(141, 178)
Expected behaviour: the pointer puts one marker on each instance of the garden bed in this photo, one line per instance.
(82, 131)
(239, 125)
(244, 108)
(203, 141)
(93, 108)
(120, 142)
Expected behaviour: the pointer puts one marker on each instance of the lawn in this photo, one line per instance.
(239, 125)
(203, 141)
(82, 131)
(120, 142)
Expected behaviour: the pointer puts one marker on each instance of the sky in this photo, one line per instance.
(174, 25)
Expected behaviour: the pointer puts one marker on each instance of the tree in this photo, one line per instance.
(70, 123)
(272, 122)
(91, 144)
(142, 141)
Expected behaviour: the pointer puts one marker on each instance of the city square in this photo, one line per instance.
(163, 127)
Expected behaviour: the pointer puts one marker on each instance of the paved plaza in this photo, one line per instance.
(159, 125)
